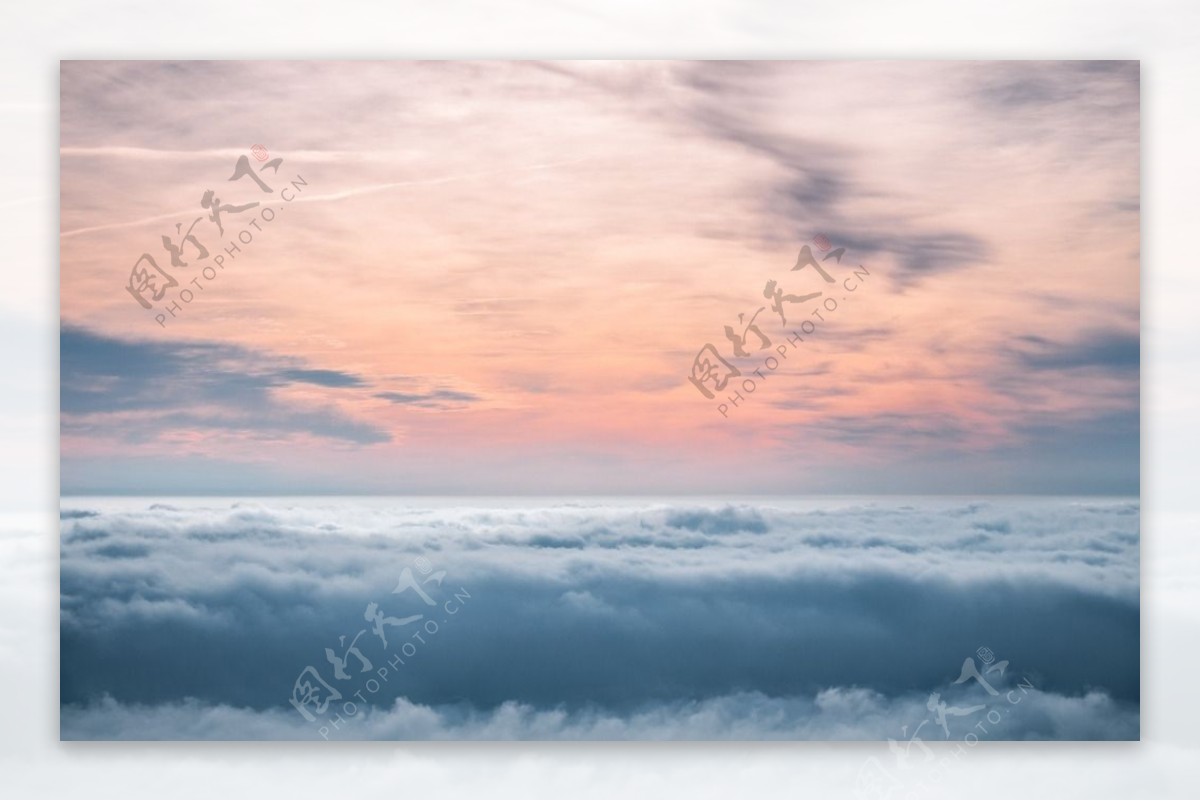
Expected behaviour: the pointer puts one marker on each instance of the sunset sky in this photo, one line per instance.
(493, 277)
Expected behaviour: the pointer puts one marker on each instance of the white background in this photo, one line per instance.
(1165, 36)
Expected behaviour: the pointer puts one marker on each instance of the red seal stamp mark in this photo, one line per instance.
(259, 152)
(821, 241)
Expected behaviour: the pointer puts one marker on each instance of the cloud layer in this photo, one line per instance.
(612, 620)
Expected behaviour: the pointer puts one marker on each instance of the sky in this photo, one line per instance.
(495, 277)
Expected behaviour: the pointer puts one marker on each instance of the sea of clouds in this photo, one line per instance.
(601, 619)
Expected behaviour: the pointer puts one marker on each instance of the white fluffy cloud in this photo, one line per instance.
(838, 713)
(596, 619)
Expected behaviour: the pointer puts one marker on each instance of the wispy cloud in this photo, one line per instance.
(544, 247)
(161, 387)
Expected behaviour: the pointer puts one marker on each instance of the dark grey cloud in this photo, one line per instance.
(434, 398)
(918, 254)
(205, 385)
(817, 182)
(1113, 351)
(323, 378)
(729, 104)
(1023, 84)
